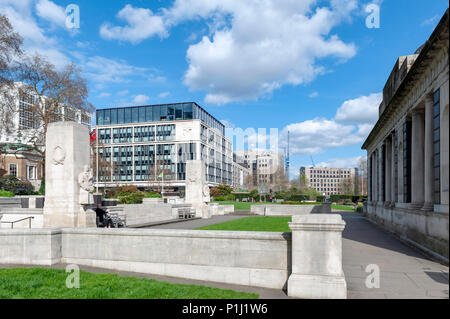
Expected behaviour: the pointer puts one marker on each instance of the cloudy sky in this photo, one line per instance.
(312, 68)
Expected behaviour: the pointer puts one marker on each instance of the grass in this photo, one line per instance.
(43, 283)
(343, 207)
(257, 223)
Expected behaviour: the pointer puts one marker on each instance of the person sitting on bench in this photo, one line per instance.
(102, 219)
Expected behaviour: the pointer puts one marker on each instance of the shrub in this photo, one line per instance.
(299, 203)
(152, 195)
(131, 198)
(224, 189)
(297, 198)
(320, 198)
(16, 186)
(231, 197)
(5, 193)
(42, 188)
(219, 198)
(214, 192)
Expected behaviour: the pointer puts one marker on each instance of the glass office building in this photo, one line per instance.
(139, 144)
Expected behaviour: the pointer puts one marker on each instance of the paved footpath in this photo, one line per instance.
(404, 272)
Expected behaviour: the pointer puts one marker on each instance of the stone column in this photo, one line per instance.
(393, 195)
(197, 190)
(374, 177)
(317, 257)
(66, 160)
(388, 171)
(417, 160)
(428, 153)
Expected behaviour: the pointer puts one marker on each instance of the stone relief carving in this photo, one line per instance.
(59, 155)
(86, 179)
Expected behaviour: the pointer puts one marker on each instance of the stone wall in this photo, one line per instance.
(245, 258)
(428, 231)
(290, 210)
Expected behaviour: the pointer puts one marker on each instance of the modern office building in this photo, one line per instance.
(149, 145)
(408, 148)
(330, 180)
(267, 166)
(241, 173)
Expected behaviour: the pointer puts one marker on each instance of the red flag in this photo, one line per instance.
(93, 135)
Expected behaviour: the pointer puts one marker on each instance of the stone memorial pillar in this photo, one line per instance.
(317, 257)
(68, 179)
(197, 190)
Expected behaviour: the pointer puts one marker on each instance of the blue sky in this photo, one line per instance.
(310, 67)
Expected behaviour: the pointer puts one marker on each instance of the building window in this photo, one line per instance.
(31, 172)
(407, 161)
(13, 170)
(437, 147)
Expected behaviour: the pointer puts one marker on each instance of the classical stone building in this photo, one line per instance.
(20, 161)
(408, 149)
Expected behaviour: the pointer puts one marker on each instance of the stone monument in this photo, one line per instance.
(197, 189)
(68, 178)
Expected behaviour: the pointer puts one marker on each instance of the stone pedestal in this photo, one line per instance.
(197, 190)
(66, 166)
(317, 257)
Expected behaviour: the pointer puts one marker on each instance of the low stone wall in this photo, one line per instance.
(145, 213)
(428, 231)
(14, 214)
(8, 202)
(30, 246)
(245, 258)
(290, 210)
(259, 259)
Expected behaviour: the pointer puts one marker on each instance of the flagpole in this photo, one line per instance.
(162, 184)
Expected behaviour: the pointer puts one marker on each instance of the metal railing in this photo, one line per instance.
(19, 220)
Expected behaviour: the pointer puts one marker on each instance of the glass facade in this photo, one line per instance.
(157, 113)
(146, 148)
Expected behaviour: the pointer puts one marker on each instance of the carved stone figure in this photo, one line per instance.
(86, 179)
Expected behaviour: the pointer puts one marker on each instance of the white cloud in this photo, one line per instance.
(163, 94)
(142, 24)
(363, 109)
(51, 12)
(140, 99)
(352, 123)
(123, 92)
(254, 47)
(431, 21)
(313, 94)
(104, 94)
(349, 162)
(102, 69)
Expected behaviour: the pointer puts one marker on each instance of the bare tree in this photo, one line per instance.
(362, 168)
(346, 186)
(48, 92)
(10, 43)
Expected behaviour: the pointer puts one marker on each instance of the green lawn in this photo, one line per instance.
(38, 283)
(242, 205)
(257, 223)
(343, 207)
